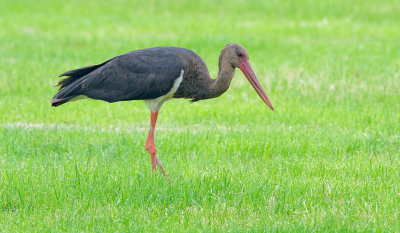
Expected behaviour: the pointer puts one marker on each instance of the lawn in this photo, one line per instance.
(327, 158)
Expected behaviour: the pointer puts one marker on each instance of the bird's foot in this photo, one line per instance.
(156, 162)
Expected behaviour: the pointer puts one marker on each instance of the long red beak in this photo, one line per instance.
(245, 67)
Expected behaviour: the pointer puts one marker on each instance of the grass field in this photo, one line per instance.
(327, 158)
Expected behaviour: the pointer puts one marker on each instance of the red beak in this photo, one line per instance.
(245, 67)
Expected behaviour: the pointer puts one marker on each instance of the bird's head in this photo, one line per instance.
(237, 56)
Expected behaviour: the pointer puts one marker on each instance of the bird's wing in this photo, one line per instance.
(138, 75)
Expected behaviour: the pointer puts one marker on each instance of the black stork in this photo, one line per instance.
(156, 75)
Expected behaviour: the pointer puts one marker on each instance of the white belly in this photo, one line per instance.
(155, 104)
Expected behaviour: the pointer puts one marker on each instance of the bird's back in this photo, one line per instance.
(137, 75)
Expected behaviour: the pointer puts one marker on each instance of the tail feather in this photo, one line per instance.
(72, 85)
(67, 93)
(57, 102)
(73, 75)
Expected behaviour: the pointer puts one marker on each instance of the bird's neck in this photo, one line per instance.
(222, 82)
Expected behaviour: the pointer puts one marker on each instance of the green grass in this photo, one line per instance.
(327, 159)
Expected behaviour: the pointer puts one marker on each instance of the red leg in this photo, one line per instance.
(151, 147)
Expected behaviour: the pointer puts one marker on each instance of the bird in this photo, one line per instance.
(156, 75)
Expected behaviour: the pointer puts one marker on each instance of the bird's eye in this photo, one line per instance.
(240, 54)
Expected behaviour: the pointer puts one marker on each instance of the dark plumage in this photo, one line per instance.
(137, 75)
(156, 75)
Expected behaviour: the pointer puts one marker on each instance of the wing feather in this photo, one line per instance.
(138, 75)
